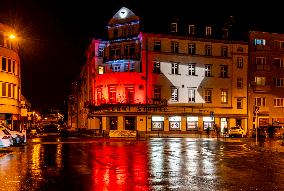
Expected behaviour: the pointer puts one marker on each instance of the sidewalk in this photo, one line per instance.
(267, 145)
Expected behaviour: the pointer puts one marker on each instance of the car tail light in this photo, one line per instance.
(6, 137)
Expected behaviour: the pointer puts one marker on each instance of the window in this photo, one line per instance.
(115, 32)
(224, 96)
(4, 89)
(225, 33)
(10, 86)
(101, 51)
(191, 95)
(156, 68)
(13, 67)
(192, 123)
(208, 95)
(191, 48)
(240, 62)
(279, 82)
(208, 70)
(99, 96)
(9, 65)
(116, 68)
(259, 101)
(260, 81)
(173, 27)
(224, 52)
(208, 50)
(240, 49)
(174, 47)
(191, 69)
(115, 51)
(259, 41)
(281, 44)
(239, 103)
(129, 91)
(260, 60)
(224, 71)
(129, 50)
(101, 70)
(239, 82)
(279, 102)
(157, 123)
(175, 122)
(157, 93)
(113, 123)
(1, 39)
(208, 31)
(191, 29)
(4, 65)
(175, 68)
(174, 94)
(157, 45)
(112, 94)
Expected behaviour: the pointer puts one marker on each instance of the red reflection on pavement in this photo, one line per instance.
(117, 167)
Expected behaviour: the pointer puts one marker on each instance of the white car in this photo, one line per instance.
(5, 137)
(17, 137)
(236, 131)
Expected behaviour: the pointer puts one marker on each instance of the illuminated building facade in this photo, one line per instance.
(10, 79)
(165, 83)
(266, 79)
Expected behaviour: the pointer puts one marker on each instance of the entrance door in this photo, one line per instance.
(130, 123)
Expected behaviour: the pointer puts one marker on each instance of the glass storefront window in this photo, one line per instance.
(130, 123)
(157, 123)
(192, 123)
(208, 122)
(175, 123)
(113, 123)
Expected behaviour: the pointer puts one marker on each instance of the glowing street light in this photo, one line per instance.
(12, 36)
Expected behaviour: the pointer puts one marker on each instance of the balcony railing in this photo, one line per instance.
(122, 57)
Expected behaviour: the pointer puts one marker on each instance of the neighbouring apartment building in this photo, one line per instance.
(10, 78)
(163, 83)
(266, 79)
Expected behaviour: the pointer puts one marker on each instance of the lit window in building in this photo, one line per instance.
(279, 82)
(174, 27)
(208, 122)
(175, 123)
(259, 41)
(208, 95)
(175, 67)
(240, 62)
(259, 101)
(4, 64)
(112, 95)
(116, 68)
(191, 48)
(278, 102)
(224, 71)
(101, 69)
(157, 93)
(157, 123)
(174, 47)
(191, 29)
(208, 70)
(224, 52)
(208, 50)
(129, 91)
(156, 68)
(260, 80)
(239, 103)
(224, 96)
(191, 95)
(157, 45)
(239, 82)
(191, 69)
(174, 94)
(208, 31)
(192, 123)
(113, 123)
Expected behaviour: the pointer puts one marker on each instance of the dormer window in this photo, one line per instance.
(225, 33)
(208, 31)
(173, 27)
(191, 29)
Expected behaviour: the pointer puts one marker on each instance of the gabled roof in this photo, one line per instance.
(124, 15)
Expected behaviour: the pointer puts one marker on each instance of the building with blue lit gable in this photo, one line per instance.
(175, 82)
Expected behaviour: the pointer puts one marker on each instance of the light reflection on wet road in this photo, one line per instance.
(156, 164)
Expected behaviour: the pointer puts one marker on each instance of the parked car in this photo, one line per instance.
(49, 130)
(5, 137)
(17, 137)
(236, 131)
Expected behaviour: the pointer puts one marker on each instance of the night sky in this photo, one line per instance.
(55, 34)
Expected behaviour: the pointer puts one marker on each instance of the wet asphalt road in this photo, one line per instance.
(157, 164)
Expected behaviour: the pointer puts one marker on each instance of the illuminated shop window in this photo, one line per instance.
(192, 123)
(113, 123)
(175, 123)
(208, 122)
(157, 123)
(130, 123)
